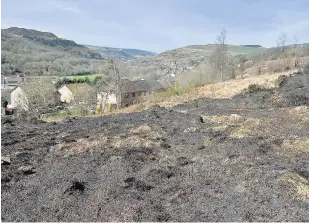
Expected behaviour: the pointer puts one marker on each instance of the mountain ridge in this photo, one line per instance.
(120, 53)
(43, 53)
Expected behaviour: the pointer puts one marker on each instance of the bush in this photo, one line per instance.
(298, 99)
(171, 92)
(253, 88)
(282, 79)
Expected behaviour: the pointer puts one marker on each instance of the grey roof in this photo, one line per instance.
(156, 85)
(135, 86)
(140, 85)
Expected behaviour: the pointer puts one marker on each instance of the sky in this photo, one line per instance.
(159, 25)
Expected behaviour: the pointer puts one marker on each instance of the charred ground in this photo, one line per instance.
(219, 162)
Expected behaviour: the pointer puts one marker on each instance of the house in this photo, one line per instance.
(14, 98)
(79, 93)
(132, 92)
(12, 82)
(104, 98)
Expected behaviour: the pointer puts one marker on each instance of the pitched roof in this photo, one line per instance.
(135, 86)
(156, 85)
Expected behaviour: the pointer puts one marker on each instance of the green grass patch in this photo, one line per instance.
(247, 50)
(61, 115)
(90, 76)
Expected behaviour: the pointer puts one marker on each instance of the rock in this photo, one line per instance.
(26, 169)
(204, 119)
(190, 130)
(235, 118)
(183, 161)
(201, 147)
(5, 160)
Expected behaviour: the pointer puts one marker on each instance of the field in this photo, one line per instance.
(246, 50)
(90, 76)
(54, 78)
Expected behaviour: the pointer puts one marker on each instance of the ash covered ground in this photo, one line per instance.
(213, 163)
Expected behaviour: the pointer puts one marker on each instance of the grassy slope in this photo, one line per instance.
(226, 89)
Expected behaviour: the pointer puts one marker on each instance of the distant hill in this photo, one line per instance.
(42, 53)
(120, 53)
(38, 53)
(176, 61)
(27, 32)
(253, 46)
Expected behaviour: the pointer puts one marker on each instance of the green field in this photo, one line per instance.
(90, 76)
(246, 50)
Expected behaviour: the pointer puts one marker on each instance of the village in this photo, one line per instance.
(15, 99)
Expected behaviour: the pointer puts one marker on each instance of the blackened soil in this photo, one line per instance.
(82, 172)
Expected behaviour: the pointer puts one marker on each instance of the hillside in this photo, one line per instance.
(120, 53)
(186, 59)
(38, 53)
(207, 160)
(42, 53)
(27, 32)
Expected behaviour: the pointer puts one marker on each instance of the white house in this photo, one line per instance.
(15, 98)
(75, 92)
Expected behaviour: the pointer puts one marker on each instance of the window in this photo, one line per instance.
(126, 95)
(133, 94)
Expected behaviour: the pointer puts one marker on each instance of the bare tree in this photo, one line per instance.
(281, 43)
(84, 97)
(220, 56)
(111, 84)
(35, 97)
(104, 90)
(295, 51)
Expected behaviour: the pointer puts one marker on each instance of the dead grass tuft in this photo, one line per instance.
(142, 129)
(251, 127)
(296, 145)
(294, 186)
(300, 113)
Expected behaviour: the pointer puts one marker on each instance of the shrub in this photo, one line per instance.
(253, 88)
(282, 79)
(170, 93)
(298, 99)
(98, 110)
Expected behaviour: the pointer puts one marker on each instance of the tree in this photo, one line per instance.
(37, 96)
(281, 43)
(111, 84)
(295, 52)
(220, 57)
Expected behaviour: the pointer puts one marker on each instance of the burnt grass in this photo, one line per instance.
(196, 175)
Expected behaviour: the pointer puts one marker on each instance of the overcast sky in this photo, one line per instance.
(159, 25)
